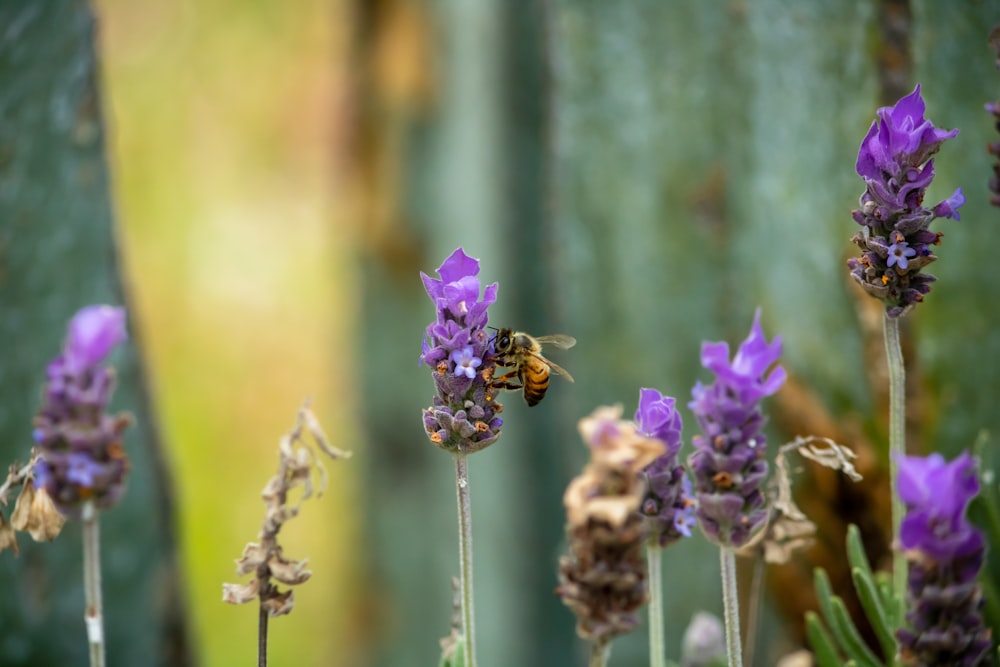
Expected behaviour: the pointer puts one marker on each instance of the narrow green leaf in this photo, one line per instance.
(874, 610)
(852, 641)
(856, 551)
(890, 600)
(824, 594)
(454, 656)
(886, 596)
(822, 644)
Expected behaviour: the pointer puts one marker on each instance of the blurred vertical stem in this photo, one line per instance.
(599, 652)
(731, 606)
(897, 447)
(262, 636)
(656, 644)
(753, 608)
(465, 554)
(93, 615)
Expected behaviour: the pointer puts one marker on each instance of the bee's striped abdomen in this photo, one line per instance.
(535, 378)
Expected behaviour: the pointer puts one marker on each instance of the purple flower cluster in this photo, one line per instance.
(668, 504)
(729, 464)
(463, 417)
(81, 456)
(945, 553)
(894, 161)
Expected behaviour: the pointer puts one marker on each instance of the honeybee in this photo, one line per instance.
(523, 353)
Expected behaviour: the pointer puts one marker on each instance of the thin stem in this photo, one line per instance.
(897, 447)
(262, 636)
(731, 606)
(465, 555)
(753, 607)
(93, 615)
(656, 643)
(600, 650)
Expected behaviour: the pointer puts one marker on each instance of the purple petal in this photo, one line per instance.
(93, 333)
(458, 266)
(949, 207)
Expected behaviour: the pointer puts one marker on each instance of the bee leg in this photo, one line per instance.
(504, 381)
(510, 386)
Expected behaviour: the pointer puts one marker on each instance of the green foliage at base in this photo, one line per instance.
(834, 638)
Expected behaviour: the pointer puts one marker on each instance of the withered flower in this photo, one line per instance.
(603, 579)
(265, 558)
(34, 512)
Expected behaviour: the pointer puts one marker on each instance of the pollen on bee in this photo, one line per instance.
(723, 479)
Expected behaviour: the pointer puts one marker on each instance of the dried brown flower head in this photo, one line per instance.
(603, 579)
(265, 559)
(34, 512)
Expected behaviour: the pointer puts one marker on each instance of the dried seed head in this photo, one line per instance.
(603, 579)
(297, 465)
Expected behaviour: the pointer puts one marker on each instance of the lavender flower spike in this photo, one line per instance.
(463, 417)
(945, 553)
(894, 161)
(668, 504)
(81, 456)
(729, 465)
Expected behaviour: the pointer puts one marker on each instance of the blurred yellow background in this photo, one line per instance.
(224, 124)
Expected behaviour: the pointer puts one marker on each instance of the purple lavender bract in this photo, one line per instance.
(729, 465)
(81, 455)
(894, 161)
(667, 505)
(945, 553)
(463, 417)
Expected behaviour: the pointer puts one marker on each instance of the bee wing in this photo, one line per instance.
(557, 340)
(554, 367)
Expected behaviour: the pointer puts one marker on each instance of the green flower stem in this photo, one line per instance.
(897, 447)
(600, 650)
(731, 607)
(93, 616)
(654, 557)
(465, 554)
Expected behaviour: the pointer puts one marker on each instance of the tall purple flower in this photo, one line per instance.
(81, 456)
(945, 553)
(668, 504)
(729, 464)
(894, 161)
(456, 346)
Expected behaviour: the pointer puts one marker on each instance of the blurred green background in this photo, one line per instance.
(641, 175)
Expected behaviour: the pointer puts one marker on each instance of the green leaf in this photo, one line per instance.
(454, 656)
(856, 551)
(822, 644)
(850, 638)
(847, 636)
(890, 601)
(871, 602)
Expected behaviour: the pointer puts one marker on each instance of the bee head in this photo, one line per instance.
(502, 341)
